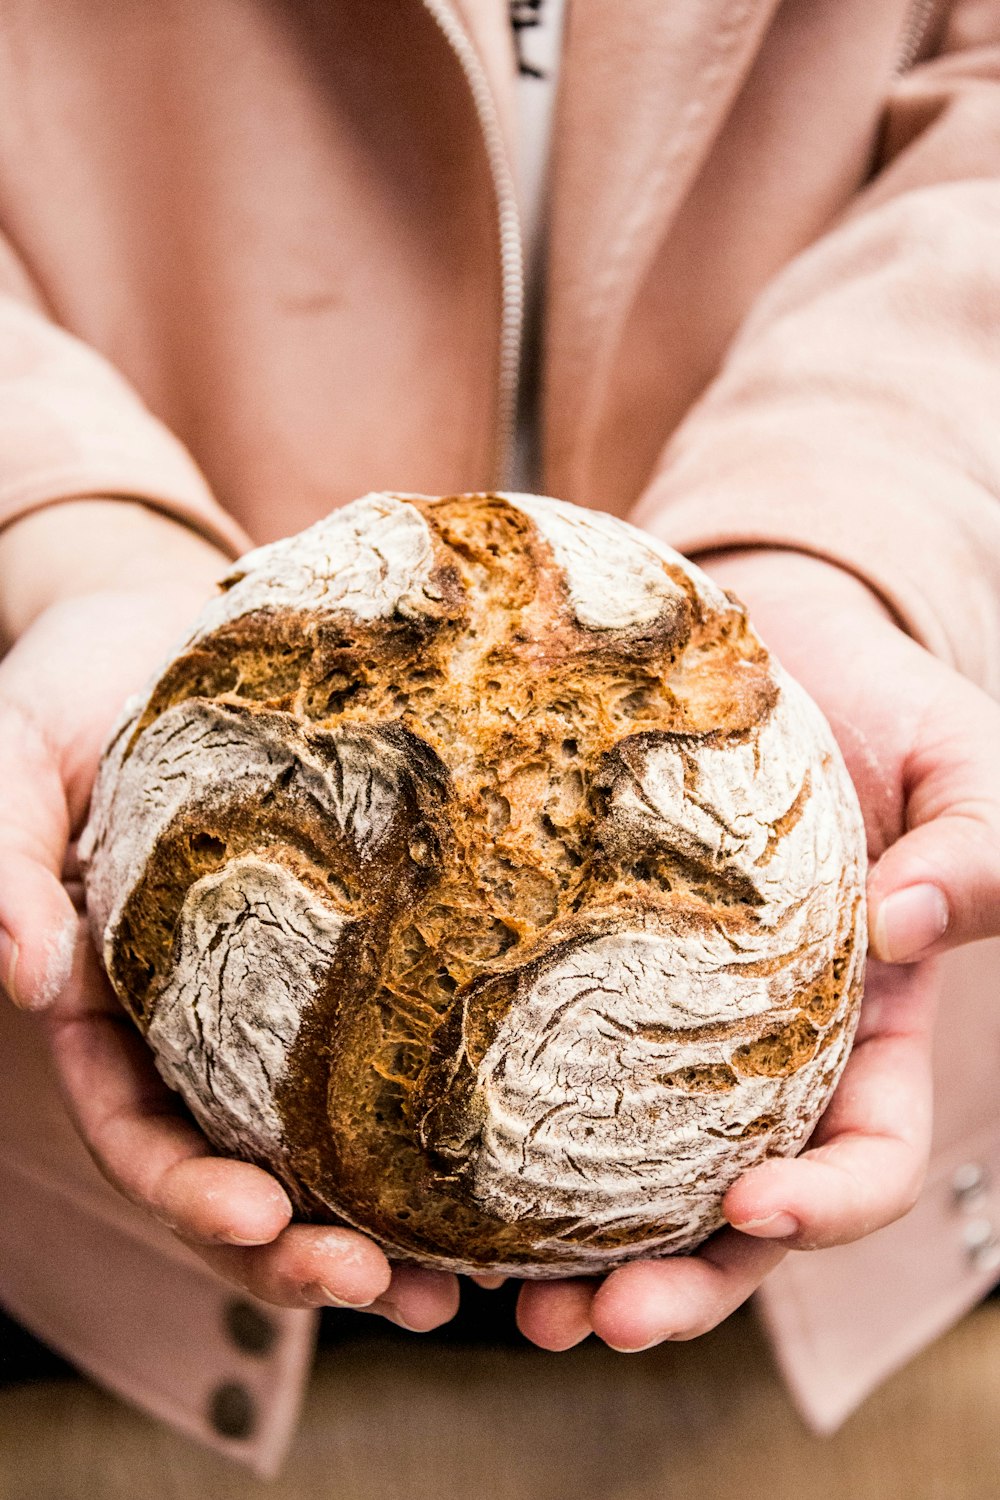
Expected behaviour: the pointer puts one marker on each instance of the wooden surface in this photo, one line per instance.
(393, 1416)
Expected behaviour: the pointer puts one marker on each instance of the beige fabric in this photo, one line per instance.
(251, 268)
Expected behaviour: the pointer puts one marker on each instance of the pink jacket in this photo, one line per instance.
(257, 259)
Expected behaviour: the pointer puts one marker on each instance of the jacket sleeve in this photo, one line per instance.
(857, 414)
(71, 426)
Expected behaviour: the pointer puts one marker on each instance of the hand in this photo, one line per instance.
(919, 741)
(61, 687)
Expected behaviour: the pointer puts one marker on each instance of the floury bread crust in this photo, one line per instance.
(475, 868)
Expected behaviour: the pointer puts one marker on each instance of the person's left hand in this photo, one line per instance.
(920, 744)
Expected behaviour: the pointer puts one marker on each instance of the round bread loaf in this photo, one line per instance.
(474, 868)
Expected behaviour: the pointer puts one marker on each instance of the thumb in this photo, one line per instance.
(38, 922)
(939, 885)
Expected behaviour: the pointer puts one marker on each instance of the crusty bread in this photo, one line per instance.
(475, 868)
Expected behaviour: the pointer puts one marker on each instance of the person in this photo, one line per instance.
(257, 260)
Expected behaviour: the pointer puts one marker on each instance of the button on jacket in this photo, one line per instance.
(257, 259)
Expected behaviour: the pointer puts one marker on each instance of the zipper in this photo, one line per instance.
(914, 32)
(509, 231)
(511, 244)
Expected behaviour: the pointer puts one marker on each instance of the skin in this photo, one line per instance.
(95, 593)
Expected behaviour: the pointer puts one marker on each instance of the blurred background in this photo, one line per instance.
(474, 1410)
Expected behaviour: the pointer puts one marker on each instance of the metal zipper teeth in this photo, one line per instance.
(917, 22)
(509, 225)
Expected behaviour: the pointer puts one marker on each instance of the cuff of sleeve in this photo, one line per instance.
(72, 427)
(921, 534)
(191, 504)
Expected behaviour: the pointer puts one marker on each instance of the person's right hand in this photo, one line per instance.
(62, 685)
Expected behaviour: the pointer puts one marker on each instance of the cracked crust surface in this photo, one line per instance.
(475, 868)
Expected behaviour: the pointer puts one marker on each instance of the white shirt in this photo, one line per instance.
(538, 32)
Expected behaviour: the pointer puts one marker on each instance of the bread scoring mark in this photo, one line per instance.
(614, 578)
(740, 810)
(253, 946)
(371, 559)
(580, 1104)
(252, 776)
(779, 1052)
(549, 778)
(195, 754)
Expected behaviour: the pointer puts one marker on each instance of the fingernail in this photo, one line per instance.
(774, 1227)
(391, 1311)
(321, 1296)
(8, 965)
(909, 921)
(639, 1348)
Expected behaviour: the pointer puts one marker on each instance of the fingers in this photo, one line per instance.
(939, 885)
(305, 1266)
(233, 1214)
(315, 1266)
(556, 1314)
(137, 1131)
(680, 1298)
(38, 925)
(871, 1148)
(311, 1266)
(646, 1302)
(490, 1281)
(210, 1199)
(418, 1299)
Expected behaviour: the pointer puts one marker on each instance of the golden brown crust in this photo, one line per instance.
(513, 746)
